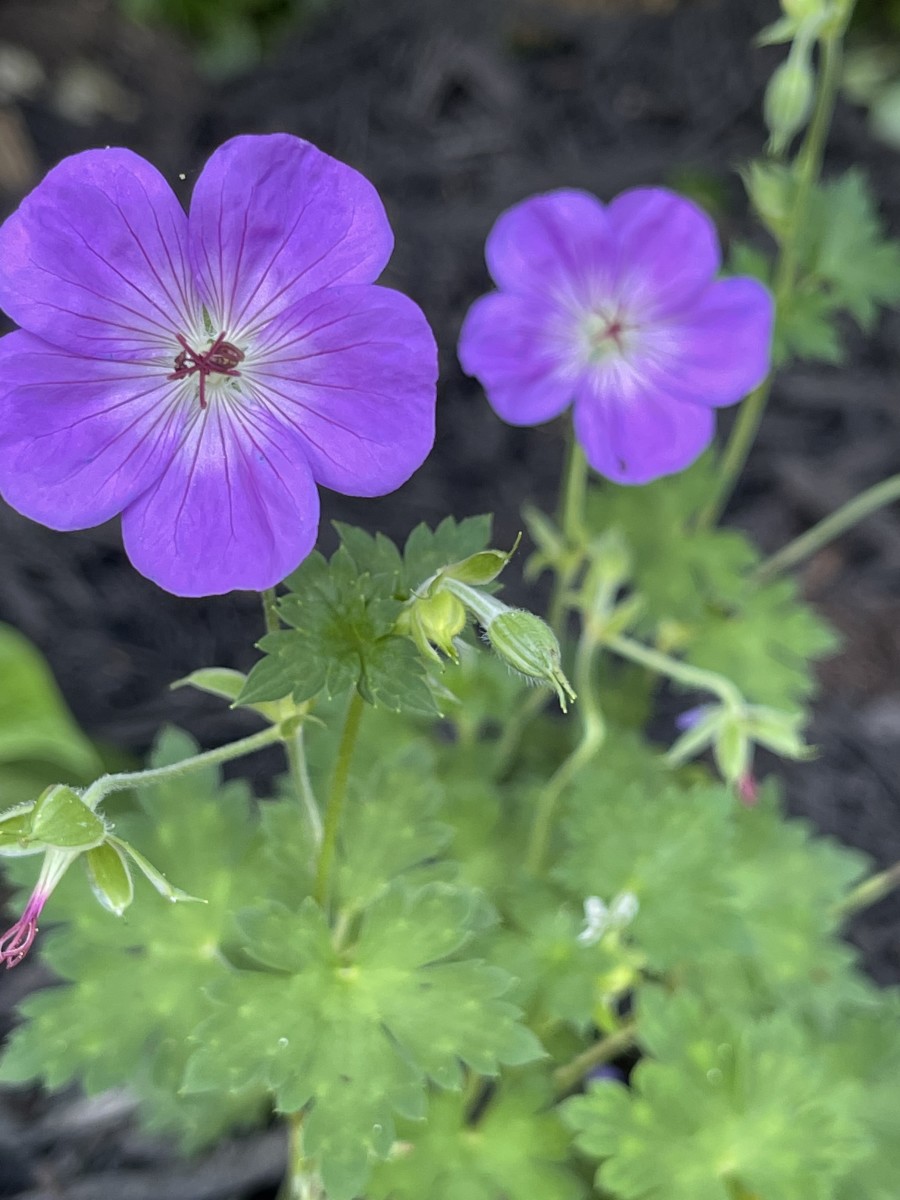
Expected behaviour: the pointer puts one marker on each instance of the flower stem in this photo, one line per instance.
(569, 1076)
(871, 890)
(674, 668)
(830, 527)
(295, 749)
(593, 731)
(808, 168)
(270, 610)
(337, 794)
(100, 789)
(571, 516)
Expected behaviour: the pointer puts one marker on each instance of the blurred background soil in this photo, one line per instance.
(455, 109)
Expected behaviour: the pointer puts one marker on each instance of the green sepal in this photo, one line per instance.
(15, 832)
(153, 876)
(109, 877)
(60, 819)
(480, 569)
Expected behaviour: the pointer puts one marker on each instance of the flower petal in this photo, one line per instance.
(521, 349)
(273, 219)
(632, 433)
(80, 437)
(353, 371)
(668, 249)
(558, 243)
(722, 347)
(95, 258)
(236, 507)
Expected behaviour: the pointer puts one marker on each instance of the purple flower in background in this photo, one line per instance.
(616, 309)
(203, 373)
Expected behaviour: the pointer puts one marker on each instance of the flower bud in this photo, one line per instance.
(789, 99)
(529, 646)
(434, 621)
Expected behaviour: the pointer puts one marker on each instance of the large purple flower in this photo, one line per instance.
(202, 373)
(616, 308)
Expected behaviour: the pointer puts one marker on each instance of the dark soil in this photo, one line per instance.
(454, 111)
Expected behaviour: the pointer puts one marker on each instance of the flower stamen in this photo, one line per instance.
(221, 358)
(17, 941)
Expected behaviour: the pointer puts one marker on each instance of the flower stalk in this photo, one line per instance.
(337, 794)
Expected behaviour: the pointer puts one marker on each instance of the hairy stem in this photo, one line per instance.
(337, 794)
(98, 790)
(831, 527)
(270, 610)
(808, 168)
(569, 1076)
(593, 731)
(674, 668)
(871, 890)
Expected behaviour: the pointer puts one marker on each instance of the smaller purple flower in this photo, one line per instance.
(616, 309)
(204, 373)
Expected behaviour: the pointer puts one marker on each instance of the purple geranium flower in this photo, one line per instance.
(202, 374)
(616, 308)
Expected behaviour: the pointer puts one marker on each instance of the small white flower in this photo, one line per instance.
(600, 918)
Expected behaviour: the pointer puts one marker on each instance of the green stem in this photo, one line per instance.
(871, 890)
(299, 1183)
(808, 167)
(830, 527)
(569, 1076)
(593, 731)
(100, 789)
(296, 755)
(270, 610)
(571, 517)
(522, 717)
(337, 794)
(674, 668)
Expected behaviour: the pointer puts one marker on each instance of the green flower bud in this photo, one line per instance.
(529, 646)
(789, 99)
(434, 621)
(803, 10)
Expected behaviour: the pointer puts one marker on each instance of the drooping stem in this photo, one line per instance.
(831, 527)
(871, 890)
(569, 1076)
(593, 731)
(100, 789)
(674, 668)
(808, 168)
(270, 610)
(337, 793)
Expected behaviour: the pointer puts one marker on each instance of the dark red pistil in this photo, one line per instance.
(221, 358)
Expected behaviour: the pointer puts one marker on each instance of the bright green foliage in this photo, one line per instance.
(703, 600)
(669, 848)
(136, 985)
(559, 979)
(847, 265)
(710, 566)
(359, 1031)
(722, 1108)
(391, 829)
(791, 914)
(846, 249)
(765, 644)
(516, 1150)
(343, 614)
(38, 738)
